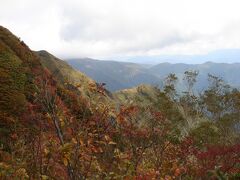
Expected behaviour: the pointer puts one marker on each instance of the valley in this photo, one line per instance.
(90, 119)
(123, 75)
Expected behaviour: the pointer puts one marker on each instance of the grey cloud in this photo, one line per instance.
(170, 40)
(121, 35)
(109, 28)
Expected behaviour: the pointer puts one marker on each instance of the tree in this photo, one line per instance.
(170, 83)
(190, 78)
(52, 104)
(214, 99)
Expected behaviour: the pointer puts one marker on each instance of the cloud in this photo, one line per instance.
(119, 28)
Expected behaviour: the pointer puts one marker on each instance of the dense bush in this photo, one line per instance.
(49, 130)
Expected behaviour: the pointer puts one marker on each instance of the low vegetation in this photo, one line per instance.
(56, 128)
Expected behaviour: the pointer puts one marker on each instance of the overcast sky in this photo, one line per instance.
(107, 29)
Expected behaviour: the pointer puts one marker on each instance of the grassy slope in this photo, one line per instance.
(63, 72)
(143, 95)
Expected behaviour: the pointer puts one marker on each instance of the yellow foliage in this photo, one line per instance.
(107, 138)
(44, 177)
(112, 143)
(46, 151)
(65, 161)
(21, 172)
(74, 140)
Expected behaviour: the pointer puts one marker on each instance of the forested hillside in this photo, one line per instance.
(116, 75)
(57, 123)
(134, 74)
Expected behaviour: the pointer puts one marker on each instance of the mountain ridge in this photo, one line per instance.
(155, 74)
(220, 55)
(57, 123)
(114, 74)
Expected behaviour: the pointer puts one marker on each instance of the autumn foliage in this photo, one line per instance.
(49, 130)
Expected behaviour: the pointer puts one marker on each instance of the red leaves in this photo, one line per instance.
(14, 136)
(227, 158)
(125, 144)
(187, 147)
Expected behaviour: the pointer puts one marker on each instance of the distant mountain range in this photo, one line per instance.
(116, 75)
(58, 123)
(220, 56)
(122, 75)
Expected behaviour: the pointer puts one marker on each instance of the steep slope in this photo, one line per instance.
(64, 73)
(52, 128)
(116, 75)
(18, 68)
(61, 70)
(21, 114)
(39, 111)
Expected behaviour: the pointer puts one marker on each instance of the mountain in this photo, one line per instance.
(57, 123)
(116, 75)
(64, 73)
(228, 72)
(18, 67)
(43, 101)
(122, 75)
(143, 94)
